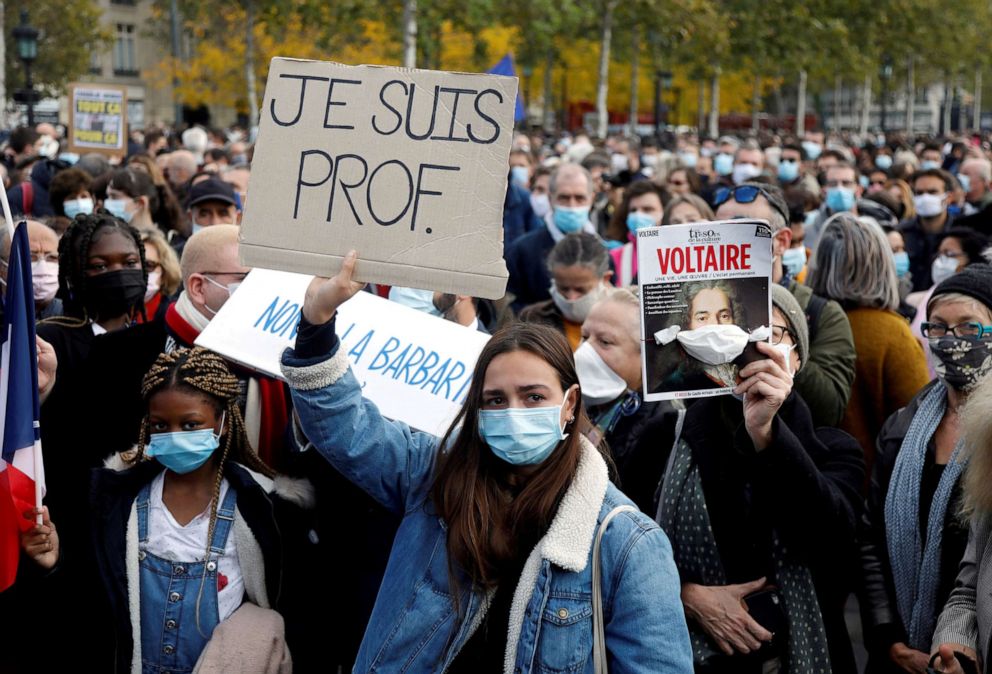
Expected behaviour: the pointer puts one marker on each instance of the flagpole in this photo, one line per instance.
(36, 451)
(6, 214)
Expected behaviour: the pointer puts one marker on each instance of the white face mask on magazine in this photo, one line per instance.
(712, 344)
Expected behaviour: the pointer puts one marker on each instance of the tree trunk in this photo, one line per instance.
(410, 33)
(603, 85)
(714, 129)
(976, 113)
(250, 64)
(176, 55)
(865, 106)
(755, 103)
(801, 105)
(838, 101)
(948, 100)
(635, 59)
(701, 110)
(910, 96)
(548, 114)
(962, 113)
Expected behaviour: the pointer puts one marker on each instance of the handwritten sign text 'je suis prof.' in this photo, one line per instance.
(406, 166)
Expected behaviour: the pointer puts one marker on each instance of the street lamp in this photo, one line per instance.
(885, 75)
(26, 37)
(662, 81)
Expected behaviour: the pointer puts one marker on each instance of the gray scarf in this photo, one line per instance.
(915, 567)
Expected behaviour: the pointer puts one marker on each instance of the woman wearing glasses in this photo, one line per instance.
(164, 275)
(913, 536)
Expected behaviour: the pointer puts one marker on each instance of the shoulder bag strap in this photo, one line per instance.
(598, 629)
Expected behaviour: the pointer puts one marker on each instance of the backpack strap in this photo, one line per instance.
(27, 197)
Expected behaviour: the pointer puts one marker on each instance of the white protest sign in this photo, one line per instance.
(97, 119)
(416, 368)
(705, 300)
(408, 167)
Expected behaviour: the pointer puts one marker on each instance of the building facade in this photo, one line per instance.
(135, 50)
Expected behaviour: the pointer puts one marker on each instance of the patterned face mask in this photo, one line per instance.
(962, 363)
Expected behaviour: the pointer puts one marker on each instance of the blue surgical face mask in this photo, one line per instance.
(965, 182)
(118, 208)
(723, 164)
(636, 221)
(688, 159)
(196, 228)
(864, 182)
(570, 220)
(840, 199)
(810, 218)
(520, 175)
(415, 298)
(184, 451)
(794, 259)
(883, 161)
(901, 260)
(813, 150)
(788, 170)
(74, 207)
(929, 164)
(522, 436)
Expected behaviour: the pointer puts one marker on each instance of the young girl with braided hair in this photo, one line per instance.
(196, 524)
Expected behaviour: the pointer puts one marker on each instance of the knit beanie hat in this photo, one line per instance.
(975, 281)
(783, 300)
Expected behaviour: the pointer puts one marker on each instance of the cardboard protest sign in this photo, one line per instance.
(705, 299)
(97, 119)
(416, 368)
(408, 167)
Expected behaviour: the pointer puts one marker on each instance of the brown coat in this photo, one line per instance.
(890, 370)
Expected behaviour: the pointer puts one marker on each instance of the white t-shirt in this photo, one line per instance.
(168, 540)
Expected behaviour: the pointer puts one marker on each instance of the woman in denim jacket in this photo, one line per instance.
(491, 567)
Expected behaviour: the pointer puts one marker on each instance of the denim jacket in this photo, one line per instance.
(414, 626)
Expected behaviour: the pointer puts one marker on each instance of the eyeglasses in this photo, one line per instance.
(779, 332)
(240, 274)
(746, 194)
(970, 330)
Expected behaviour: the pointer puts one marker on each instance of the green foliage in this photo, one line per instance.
(70, 31)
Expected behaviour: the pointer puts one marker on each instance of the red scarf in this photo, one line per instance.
(151, 308)
(272, 392)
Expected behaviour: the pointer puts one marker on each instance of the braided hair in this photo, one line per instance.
(204, 373)
(74, 251)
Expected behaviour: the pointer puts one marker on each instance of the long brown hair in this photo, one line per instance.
(490, 527)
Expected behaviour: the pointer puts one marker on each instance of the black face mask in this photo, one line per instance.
(114, 293)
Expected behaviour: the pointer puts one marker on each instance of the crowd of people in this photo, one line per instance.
(201, 514)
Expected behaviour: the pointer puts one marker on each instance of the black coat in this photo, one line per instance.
(921, 246)
(527, 264)
(280, 527)
(806, 484)
(634, 446)
(879, 613)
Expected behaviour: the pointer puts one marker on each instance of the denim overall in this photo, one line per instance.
(170, 638)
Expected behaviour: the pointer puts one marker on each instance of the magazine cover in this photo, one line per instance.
(705, 300)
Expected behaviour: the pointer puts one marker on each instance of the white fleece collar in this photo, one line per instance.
(568, 541)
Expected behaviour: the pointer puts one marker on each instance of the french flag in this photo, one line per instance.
(22, 478)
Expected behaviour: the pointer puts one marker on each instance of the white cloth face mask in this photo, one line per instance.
(600, 384)
(712, 344)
